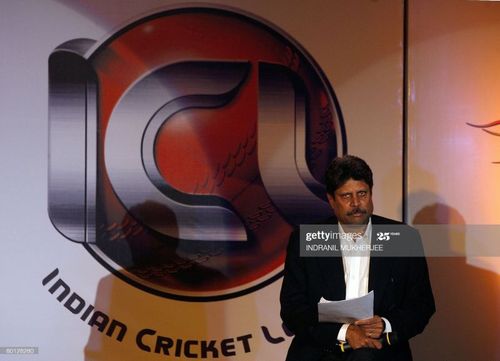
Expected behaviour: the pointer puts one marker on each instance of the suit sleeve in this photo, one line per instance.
(299, 310)
(417, 306)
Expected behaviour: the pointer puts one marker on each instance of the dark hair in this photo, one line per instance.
(341, 169)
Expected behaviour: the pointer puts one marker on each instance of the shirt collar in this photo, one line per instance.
(368, 230)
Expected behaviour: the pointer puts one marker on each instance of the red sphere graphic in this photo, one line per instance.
(207, 150)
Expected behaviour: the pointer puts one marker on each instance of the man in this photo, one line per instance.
(403, 300)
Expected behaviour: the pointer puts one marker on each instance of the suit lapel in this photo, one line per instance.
(332, 272)
(332, 269)
(380, 267)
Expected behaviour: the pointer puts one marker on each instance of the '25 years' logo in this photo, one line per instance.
(185, 146)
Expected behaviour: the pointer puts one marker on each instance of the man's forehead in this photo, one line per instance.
(352, 185)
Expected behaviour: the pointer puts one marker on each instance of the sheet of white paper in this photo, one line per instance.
(346, 311)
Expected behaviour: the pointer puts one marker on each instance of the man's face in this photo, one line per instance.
(352, 202)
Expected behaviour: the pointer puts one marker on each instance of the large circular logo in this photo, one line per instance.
(214, 130)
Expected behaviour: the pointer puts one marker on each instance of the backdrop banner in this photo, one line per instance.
(157, 155)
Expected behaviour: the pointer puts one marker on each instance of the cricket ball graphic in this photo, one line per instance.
(185, 146)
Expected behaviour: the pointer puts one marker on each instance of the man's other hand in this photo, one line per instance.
(373, 327)
(357, 338)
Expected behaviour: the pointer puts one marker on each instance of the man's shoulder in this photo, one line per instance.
(376, 219)
(394, 225)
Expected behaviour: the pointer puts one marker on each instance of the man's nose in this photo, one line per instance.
(355, 200)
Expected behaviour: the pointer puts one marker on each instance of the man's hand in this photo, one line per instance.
(357, 338)
(373, 327)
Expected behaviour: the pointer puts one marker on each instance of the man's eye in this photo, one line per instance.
(346, 196)
(362, 194)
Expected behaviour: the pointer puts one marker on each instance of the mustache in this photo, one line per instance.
(356, 211)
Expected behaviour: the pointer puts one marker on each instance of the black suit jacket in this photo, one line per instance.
(403, 294)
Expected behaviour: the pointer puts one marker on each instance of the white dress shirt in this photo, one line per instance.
(356, 270)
